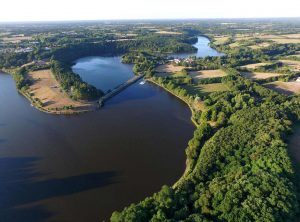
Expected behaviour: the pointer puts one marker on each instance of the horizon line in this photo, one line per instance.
(148, 19)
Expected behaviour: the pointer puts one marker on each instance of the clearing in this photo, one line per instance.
(162, 32)
(259, 75)
(205, 89)
(16, 39)
(45, 88)
(203, 74)
(254, 65)
(168, 69)
(294, 65)
(288, 88)
(260, 45)
(288, 38)
(219, 40)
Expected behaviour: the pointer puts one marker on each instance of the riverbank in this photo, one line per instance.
(179, 97)
(187, 163)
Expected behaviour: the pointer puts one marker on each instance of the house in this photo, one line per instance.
(298, 80)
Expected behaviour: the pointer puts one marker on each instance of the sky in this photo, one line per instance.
(58, 10)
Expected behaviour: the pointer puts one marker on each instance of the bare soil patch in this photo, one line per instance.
(45, 88)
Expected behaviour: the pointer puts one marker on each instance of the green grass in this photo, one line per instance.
(205, 89)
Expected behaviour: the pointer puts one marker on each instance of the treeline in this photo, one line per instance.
(19, 75)
(238, 171)
(72, 82)
(283, 78)
(144, 62)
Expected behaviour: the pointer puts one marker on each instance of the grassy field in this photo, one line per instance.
(196, 75)
(259, 75)
(239, 38)
(294, 65)
(45, 88)
(162, 32)
(221, 39)
(15, 39)
(168, 69)
(260, 45)
(204, 89)
(288, 88)
(282, 39)
(254, 65)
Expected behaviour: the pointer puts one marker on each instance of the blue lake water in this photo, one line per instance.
(103, 72)
(203, 49)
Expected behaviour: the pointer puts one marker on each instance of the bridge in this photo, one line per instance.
(119, 88)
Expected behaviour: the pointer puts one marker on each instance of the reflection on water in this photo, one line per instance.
(203, 50)
(83, 167)
(103, 72)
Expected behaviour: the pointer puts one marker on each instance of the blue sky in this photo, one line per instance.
(41, 10)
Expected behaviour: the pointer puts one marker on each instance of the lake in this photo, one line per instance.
(83, 167)
(203, 49)
(103, 72)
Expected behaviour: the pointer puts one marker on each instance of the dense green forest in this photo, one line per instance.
(72, 82)
(240, 169)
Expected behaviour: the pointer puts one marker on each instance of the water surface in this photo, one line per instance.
(203, 49)
(83, 167)
(104, 73)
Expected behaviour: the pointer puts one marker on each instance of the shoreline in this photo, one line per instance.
(183, 100)
(94, 105)
(187, 164)
(91, 104)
